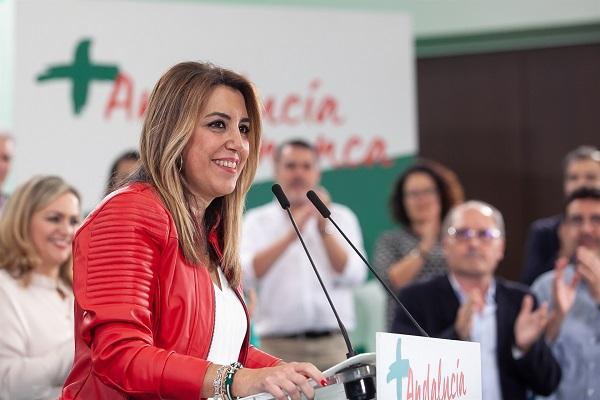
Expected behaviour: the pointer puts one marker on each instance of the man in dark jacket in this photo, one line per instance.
(470, 303)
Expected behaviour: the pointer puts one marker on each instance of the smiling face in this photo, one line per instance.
(51, 230)
(218, 149)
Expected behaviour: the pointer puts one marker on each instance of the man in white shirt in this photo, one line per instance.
(292, 317)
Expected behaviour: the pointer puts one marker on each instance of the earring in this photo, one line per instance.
(179, 163)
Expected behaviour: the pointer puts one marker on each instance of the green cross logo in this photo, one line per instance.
(81, 73)
(398, 370)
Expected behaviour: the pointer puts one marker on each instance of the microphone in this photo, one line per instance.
(285, 204)
(319, 205)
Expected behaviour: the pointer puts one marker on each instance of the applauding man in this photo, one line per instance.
(470, 303)
(573, 289)
(292, 317)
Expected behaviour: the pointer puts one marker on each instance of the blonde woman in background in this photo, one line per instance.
(36, 302)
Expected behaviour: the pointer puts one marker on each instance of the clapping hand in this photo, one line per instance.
(563, 293)
(464, 317)
(588, 267)
(530, 324)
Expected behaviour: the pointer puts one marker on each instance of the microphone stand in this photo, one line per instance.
(357, 378)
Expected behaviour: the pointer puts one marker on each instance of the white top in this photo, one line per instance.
(36, 343)
(289, 297)
(230, 325)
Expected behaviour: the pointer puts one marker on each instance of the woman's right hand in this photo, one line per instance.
(284, 381)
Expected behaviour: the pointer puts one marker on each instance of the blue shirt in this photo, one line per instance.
(484, 331)
(577, 347)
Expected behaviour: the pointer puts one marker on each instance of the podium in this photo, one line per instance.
(405, 367)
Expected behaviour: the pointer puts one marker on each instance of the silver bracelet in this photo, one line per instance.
(219, 383)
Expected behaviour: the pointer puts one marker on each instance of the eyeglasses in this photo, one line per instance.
(464, 234)
(413, 194)
(578, 220)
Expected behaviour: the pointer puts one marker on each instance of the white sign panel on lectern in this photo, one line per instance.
(418, 368)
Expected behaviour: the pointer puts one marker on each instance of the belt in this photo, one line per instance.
(304, 335)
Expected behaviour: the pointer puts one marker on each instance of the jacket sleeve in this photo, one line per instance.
(539, 253)
(402, 323)
(539, 369)
(116, 255)
(259, 359)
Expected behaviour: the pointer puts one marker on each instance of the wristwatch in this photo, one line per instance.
(417, 252)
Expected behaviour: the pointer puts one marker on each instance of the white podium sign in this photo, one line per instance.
(418, 368)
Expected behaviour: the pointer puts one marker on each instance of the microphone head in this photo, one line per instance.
(314, 198)
(281, 197)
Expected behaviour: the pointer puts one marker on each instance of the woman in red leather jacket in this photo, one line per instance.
(158, 311)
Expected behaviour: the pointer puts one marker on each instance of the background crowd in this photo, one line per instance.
(540, 337)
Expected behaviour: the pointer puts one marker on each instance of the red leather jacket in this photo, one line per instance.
(144, 317)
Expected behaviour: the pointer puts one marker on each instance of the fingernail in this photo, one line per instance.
(323, 382)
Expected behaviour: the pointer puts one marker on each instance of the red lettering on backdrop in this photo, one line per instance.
(293, 108)
(355, 152)
(326, 149)
(308, 105)
(290, 109)
(267, 149)
(123, 86)
(352, 143)
(328, 110)
(377, 153)
(286, 118)
(143, 104)
(268, 111)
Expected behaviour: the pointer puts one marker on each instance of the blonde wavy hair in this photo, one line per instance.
(173, 110)
(18, 255)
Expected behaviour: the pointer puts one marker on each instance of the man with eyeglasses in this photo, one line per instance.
(292, 317)
(470, 303)
(573, 291)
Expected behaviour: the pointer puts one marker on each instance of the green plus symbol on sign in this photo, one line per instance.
(81, 73)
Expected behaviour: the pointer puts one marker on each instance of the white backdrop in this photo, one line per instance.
(354, 69)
